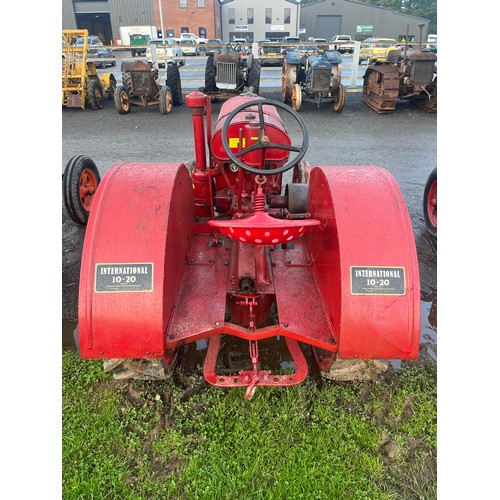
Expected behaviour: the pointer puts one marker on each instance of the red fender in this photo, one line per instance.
(133, 259)
(365, 261)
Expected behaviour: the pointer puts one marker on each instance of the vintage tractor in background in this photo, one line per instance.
(430, 203)
(312, 77)
(230, 71)
(224, 248)
(402, 76)
(140, 87)
(81, 86)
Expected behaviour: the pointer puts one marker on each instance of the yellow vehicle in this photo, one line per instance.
(81, 85)
(376, 49)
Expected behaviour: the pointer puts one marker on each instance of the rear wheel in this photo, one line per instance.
(254, 76)
(338, 105)
(430, 203)
(210, 72)
(165, 100)
(174, 82)
(80, 181)
(111, 88)
(122, 100)
(94, 94)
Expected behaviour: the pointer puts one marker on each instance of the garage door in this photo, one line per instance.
(327, 26)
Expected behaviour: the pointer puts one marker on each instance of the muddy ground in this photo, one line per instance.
(404, 142)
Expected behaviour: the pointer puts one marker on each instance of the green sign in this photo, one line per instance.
(366, 29)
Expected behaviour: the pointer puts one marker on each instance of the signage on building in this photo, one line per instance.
(365, 29)
(277, 27)
(302, 31)
(241, 27)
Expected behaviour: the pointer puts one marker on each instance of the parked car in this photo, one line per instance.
(309, 50)
(212, 45)
(189, 47)
(92, 40)
(273, 49)
(322, 44)
(376, 49)
(101, 57)
(172, 49)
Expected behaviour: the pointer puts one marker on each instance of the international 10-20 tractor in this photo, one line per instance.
(222, 248)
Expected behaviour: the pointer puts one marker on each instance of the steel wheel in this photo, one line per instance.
(296, 97)
(166, 100)
(80, 181)
(285, 84)
(430, 203)
(338, 105)
(122, 100)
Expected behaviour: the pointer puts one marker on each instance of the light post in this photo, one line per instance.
(161, 23)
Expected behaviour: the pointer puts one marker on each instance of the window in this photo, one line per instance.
(185, 29)
(288, 13)
(249, 16)
(183, 4)
(201, 3)
(231, 15)
(269, 15)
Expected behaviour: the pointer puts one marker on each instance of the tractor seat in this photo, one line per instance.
(262, 229)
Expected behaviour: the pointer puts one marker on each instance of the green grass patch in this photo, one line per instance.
(185, 439)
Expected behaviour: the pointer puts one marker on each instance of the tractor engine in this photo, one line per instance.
(417, 71)
(318, 76)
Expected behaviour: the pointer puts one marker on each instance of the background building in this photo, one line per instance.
(104, 17)
(252, 20)
(326, 18)
(201, 17)
(259, 19)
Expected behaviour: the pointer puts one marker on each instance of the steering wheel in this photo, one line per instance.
(263, 141)
(311, 52)
(234, 46)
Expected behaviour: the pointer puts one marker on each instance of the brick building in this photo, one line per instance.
(201, 17)
(105, 17)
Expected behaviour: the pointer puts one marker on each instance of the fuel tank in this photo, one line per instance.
(274, 129)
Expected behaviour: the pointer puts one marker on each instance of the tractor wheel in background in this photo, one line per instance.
(338, 105)
(94, 94)
(296, 97)
(254, 76)
(430, 203)
(80, 181)
(111, 88)
(210, 72)
(174, 82)
(122, 100)
(165, 100)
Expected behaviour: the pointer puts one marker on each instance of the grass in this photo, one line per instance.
(185, 439)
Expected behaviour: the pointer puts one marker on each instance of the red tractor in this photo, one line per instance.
(223, 248)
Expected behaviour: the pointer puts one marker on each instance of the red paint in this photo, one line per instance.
(243, 263)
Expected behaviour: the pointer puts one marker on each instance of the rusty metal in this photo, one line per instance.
(410, 77)
(381, 87)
